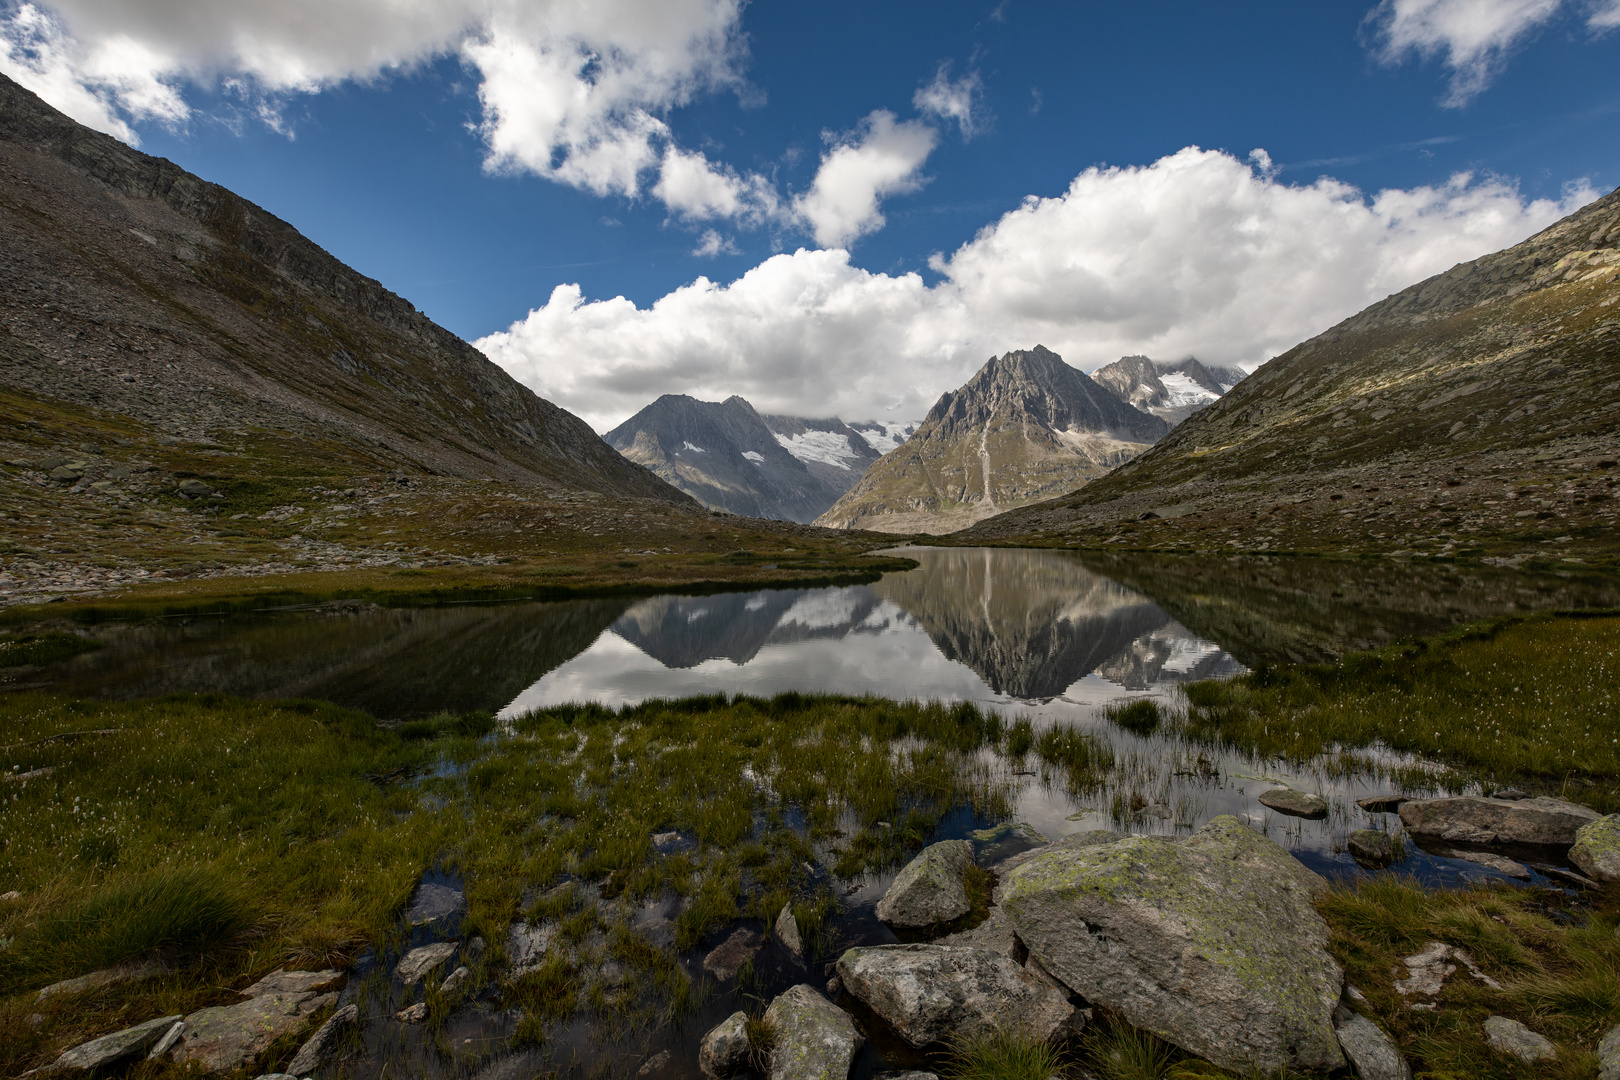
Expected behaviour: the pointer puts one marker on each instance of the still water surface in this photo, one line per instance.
(1047, 635)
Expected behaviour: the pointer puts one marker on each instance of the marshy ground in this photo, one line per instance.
(230, 837)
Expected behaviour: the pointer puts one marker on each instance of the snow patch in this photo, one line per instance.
(1183, 391)
(755, 456)
(689, 446)
(826, 447)
(885, 435)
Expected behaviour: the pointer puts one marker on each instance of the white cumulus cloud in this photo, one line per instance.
(881, 158)
(1197, 253)
(1475, 37)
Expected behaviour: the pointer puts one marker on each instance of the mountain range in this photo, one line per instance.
(1170, 391)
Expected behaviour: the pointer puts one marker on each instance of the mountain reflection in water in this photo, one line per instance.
(995, 626)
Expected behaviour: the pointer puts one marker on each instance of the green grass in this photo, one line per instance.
(1533, 701)
(1006, 1055)
(1141, 716)
(17, 650)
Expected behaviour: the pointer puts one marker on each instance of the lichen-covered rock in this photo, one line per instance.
(1597, 849)
(1286, 800)
(787, 931)
(227, 1037)
(1210, 942)
(929, 992)
(418, 962)
(1475, 819)
(1373, 1053)
(995, 934)
(321, 1044)
(1089, 838)
(929, 889)
(815, 1039)
(120, 1045)
(1511, 1037)
(1609, 1055)
(724, 1050)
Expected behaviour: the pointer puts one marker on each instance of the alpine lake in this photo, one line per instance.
(1054, 639)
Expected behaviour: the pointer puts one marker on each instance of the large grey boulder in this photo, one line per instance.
(929, 992)
(319, 1046)
(1475, 819)
(1513, 1038)
(724, 1050)
(1597, 849)
(1609, 1055)
(815, 1039)
(120, 1045)
(226, 1037)
(929, 889)
(1210, 942)
(995, 934)
(1373, 1053)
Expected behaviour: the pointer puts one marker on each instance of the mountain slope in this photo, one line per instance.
(1478, 410)
(726, 456)
(1170, 391)
(1026, 427)
(133, 286)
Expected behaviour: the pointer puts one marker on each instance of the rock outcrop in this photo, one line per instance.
(815, 1039)
(1027, 427)
(1596, 850)
(929, 993)
(1476, 819)
(929, 890)
(116, 1047)
(226, 1037)
(1210, 942)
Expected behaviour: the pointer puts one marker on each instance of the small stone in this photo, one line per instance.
(418, 962)
(729, 956)
(1596, 850)
(8, 897)
(1295, 803)
(724, 1050)
(108, 1049)
(787, 932)
(412, 1014)
(1372, 1052)
(320, 1045)
(193, 488)
(1512, 794)
(1381, 804)
(1372, 846)
(929, 889)
(654, 1063)
(1512, 1037)
(835, 987)
(453, 980)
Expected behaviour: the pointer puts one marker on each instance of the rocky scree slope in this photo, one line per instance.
(1025, 428)
(728, 457)
(130, 286)
(1170, 391)
(1473, 412)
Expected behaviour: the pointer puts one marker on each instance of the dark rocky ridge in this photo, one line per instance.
(1479, 409)
(1026, 427)
(134, 287)
(703, 448)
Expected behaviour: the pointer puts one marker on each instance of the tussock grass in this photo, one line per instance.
(1005, 1055)
(1088, 760)
(1534, 701)
(1141, 716)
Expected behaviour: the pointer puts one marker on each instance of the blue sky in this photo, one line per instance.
(410, 160)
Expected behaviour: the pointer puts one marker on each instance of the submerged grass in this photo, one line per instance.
(1532, 700)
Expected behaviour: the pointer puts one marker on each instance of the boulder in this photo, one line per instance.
(995, 934)
(296, 982)
(193, 489)
(728, 957)
(814, 1039)
(418, 962)
(1475, 819)
(1371, 847)
(787, 931)
(320, 1045)
(1512, 1037)
(1303, 804)
(1003, 841)
(1210, 942)
(1597, 849)
(1089, 838)
(1373, 1053)
(1609, 1055)
(119, 1046)
(226, 1037)
(929, 889)
(724, 1050)
(929, 992)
